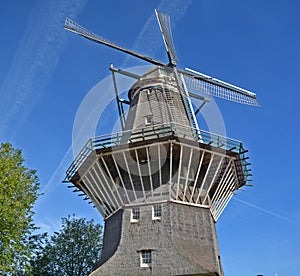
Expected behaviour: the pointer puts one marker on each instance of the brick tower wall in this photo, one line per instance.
(183, 242)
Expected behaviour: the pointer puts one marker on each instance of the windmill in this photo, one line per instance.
(162, 182)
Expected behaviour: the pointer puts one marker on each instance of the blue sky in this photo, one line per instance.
(45, 73)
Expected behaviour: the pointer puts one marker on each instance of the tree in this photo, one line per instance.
(74, 250)
(18, 193)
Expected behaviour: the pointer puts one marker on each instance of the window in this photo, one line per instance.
(146, 258)
(148, 120)
(156, 212)
(135, 215)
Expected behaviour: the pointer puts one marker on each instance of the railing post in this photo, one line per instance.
(91, 144)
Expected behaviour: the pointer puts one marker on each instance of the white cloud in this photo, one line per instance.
(48, 225)
(34, 61)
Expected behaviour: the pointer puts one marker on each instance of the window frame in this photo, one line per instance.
(135, 211)
(146, 258)
(148, 120)
(154, 212)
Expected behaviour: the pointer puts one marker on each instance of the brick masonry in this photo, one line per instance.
(183, 242)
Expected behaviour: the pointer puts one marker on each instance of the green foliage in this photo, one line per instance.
(74, 250)
(18, 192)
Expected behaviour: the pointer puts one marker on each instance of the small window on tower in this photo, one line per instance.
(146, 258)
(156, 212)
(148, 120)
(135, 215)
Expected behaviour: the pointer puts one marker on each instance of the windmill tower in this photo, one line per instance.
(161, 183)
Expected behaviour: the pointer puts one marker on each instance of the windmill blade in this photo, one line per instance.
(165, 28)
(74, 27)
(199, 82)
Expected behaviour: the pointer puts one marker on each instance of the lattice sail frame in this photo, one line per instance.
(212, 89)
(195, 81)
(74, 27)
(165, 28)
